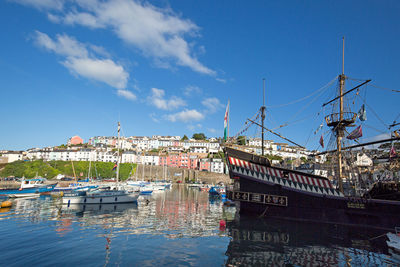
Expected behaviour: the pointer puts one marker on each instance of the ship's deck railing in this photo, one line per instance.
(334, 118)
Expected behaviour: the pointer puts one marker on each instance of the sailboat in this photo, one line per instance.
(103, 195)
(77, 186)
(275, 192)
(143, 186)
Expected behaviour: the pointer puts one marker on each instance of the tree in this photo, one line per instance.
(199, 136)
(241, 140)
(304, 160)
(184, 138)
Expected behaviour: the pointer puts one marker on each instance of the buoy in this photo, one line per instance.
(6, 204)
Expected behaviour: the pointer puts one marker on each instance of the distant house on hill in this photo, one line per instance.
(75, 140)
(363, 160)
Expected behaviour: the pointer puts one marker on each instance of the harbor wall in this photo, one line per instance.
(154, 173)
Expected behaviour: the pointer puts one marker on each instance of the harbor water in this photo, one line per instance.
(177, 227)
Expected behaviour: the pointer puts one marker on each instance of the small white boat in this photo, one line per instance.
(24, 195)
(100, 196)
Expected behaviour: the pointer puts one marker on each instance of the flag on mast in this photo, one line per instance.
(226, 126)
(392, 153)
(355, 134)
(321, 141)
(115, 166)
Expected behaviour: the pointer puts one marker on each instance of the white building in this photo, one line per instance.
(256, 142)
(198, 149)
(13, 156)
(217, 166)
(363, 160)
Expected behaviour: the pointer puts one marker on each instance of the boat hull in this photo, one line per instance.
(100, 198)
(265, 190)
(27, 191)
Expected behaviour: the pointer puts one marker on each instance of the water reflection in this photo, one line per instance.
(266, 242)
(175, 227)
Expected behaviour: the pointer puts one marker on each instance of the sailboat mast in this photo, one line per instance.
(262, 119)
(118, 161)
(339, 130)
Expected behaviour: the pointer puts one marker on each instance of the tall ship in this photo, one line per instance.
(263, 189)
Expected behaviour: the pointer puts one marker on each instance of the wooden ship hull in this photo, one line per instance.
(265, 190)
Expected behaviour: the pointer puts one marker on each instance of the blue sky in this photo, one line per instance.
(169, 67)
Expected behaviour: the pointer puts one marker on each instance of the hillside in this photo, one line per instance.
(51, 169)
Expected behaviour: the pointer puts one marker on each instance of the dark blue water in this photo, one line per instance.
(179, 227)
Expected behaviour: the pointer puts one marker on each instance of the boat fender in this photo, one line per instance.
(6, 204)
(222, 225)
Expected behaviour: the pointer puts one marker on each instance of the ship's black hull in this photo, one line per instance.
(273, 197)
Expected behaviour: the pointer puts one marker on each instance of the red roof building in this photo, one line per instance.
(75, 140)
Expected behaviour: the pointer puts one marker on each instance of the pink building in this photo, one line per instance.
(75, 140)
(179, 160)
(205, 165)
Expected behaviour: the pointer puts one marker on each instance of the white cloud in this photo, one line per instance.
(157, 99)
(220, 80)
(186, 116)
(191, 90)
(101, 70)
(63, 45)
(154, 118)
(192, 127)
(126, 94)
(212, 104)
(79, 60)
(42, 4)
(212, 130)
(157, 32)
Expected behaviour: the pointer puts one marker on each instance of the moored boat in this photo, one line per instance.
(100, 196)
(277, 192)
(28, 187)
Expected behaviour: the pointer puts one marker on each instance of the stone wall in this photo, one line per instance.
(153, 173)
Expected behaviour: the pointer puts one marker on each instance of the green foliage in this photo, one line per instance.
(50, 169)
(274, 157)
(199, 136)
(184, 138)
(304, 159)
(241, 140)
(29, 169)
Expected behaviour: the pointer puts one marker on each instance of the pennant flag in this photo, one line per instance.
(392, 152)
(321, 141)
(319, 128)
(362, 113)
(356, 133)
(226, 122)
(115, 166)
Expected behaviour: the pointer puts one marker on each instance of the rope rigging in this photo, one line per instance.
(304, 98)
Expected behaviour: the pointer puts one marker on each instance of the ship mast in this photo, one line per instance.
(118, 159)
(340, 128)
(339, 121)
(262, 119)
